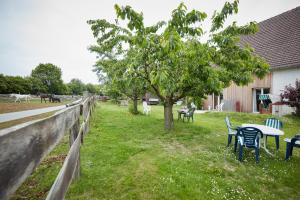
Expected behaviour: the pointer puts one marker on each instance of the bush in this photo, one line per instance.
(292, 94)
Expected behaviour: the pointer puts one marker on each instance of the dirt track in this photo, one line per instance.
(7, 107)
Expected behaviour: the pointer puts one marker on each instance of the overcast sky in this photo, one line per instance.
(55, 31)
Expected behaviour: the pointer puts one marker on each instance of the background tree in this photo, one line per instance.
(97, 89)
(38, 83)
(76, 86)
(67, 90)
(292, 94)
(172, 59)
(126, 82)
(50, 76)
(115, 57)
(37, 86)
(3, 84)
(102, 89)
(110, 90)
(15, 84)
(91, 88)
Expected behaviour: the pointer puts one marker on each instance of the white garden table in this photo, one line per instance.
(266, 130)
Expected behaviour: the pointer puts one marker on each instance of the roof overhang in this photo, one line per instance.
(283, 67)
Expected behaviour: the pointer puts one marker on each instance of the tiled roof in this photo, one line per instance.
(278, 40)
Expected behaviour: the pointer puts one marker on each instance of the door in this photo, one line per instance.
(256, 92)
(256, 101)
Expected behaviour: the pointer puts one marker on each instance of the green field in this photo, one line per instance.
(132, 157)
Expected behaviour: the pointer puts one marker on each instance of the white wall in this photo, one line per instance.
(280, 110)
(281, 78)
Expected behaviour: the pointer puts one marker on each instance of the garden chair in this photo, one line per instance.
(193, 105)
(124, 103)
(232, 131)
(220, 107)
(181, 112)
(290, 144)
(274, 123)
(146, 108)
(249, 137)
(178, 103)
(189, 114)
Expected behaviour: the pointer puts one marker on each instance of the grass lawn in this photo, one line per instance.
(7, 106)
(132, 157)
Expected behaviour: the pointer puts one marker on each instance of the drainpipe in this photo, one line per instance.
(213, 101)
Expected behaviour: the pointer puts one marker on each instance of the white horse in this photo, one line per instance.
(18, 97)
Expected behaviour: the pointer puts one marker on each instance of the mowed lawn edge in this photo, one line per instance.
(133, 157)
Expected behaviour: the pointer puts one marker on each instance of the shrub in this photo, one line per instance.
(292, 94)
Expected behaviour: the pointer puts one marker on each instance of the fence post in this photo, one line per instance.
(74, 133)
(81, 109)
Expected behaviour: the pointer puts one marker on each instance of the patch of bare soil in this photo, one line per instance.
(7, 107)
(175, 147)
(8, 124)
(54, 159)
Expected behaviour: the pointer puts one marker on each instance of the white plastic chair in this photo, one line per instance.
(193, 105)
(178, 103)
(146, 108)
(220, 107)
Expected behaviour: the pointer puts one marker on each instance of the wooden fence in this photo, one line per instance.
(23, 147)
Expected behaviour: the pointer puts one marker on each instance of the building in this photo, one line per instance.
(278, 41)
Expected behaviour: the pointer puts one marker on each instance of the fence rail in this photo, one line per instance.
(23, 147)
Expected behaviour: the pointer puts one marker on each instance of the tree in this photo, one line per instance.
(50, 76)
(97, 89)
(91, 88)
(76, 86)
(18, 84)
(3, 84)
(292, 94)
(15, 84)
(172, 59)
(114, 61)
(36, 85)
(67, 89)
(110, 90)
(126, 82)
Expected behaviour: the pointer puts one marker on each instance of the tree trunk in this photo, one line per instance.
(298, 110)
(135, 105)
(168, 114)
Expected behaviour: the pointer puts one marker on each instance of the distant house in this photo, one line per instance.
(278, 41)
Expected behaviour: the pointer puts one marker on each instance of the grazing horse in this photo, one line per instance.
(44, 97)
(54, 99)
(18, 97)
